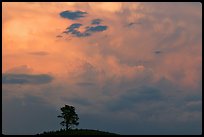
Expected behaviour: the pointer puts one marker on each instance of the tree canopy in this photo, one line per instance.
(69, 116)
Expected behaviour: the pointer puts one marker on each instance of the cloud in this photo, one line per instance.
(89, 30)
(59, 36)
(193, 106)
(96, 28)
(135, 96)
(133, 23)
(73, 15)
(106, 6)
(10, 78)
(23, 69)
(28, 115)
(96, 21)
(78, 101)
(73, 26)
(39, 53)
(158, 52)
(151, 95)
(85, 84)
(73, 29)
(193, 98)
(144, 94)
(76, 28)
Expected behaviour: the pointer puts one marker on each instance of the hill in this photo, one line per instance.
(77, 132)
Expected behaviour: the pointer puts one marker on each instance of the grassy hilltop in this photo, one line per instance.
(77, 132)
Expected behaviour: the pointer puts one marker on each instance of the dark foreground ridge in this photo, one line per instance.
(77, 132)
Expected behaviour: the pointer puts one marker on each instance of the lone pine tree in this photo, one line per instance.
(69, 116)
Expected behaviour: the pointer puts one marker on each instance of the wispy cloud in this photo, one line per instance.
(86, 84)
(96, 21)
(39, 53)
(23, 69)
(26, 78)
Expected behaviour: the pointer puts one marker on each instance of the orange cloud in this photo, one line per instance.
(123, 51)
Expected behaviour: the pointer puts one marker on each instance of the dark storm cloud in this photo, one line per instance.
(193, 103)
(194, 108)
(96, 21)
(105, 122)
(135, 96)
(85, 84)
(193, 98)
(73, 15)
(10, 78)
(77, 101)
(28, 115)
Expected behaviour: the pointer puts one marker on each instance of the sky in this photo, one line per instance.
(127, 68)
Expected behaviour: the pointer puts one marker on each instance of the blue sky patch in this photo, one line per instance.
(96, 21)
(73, 15)
(97, 28)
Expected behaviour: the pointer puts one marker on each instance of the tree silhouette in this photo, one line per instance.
(70, 118)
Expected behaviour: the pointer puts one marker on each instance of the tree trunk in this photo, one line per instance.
(66, 126)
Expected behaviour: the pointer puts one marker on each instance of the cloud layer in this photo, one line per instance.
(25, 79)
(133, 64)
